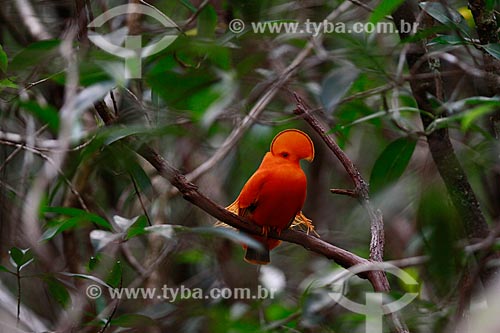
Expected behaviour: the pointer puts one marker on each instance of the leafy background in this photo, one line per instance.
(103, 216)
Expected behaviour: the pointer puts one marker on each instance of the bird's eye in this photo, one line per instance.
(284, 154)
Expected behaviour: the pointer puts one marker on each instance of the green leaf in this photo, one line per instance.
(177, 88)
(191, 256)
(47, 113)
(58, 291)
(20, 258)
(5, 269)
(93, 262)
(474, 113)
(493, 49)
(59, 227)
(3, 60)
(447, 16)
(207, 21)
(7, 83)
(459, 110)
(440, 232)
(139, 176)
(189, 5)
(34, 54)
(112, 135)
(133, 320)
(138, 228)
(391, 164)
(448, 40)
(336, 85)
(76, 212)
(115, 275)
(385, 7)
(78, 217)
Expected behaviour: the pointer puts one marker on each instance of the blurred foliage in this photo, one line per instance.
(135, 230)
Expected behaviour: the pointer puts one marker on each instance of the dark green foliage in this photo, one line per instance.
(105, 218)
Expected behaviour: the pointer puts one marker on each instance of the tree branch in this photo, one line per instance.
(191, 193)
(361, 187)
(486, 23)
(440, 146)
(441, 149)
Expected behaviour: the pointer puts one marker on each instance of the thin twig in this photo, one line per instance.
(18, 279)
(195, 14)
(139, 195)
(40, 144)
(341, 191)
(115, 307)
(53, 163)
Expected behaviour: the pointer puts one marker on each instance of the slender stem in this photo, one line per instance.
(18, 276)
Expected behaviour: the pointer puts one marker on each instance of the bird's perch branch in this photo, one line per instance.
(191, 193)
(361, 188)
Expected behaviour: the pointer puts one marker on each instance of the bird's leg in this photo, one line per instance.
(265, 230)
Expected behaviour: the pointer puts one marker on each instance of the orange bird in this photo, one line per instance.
(273, 197)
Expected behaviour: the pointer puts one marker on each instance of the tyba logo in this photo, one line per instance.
(133, 52)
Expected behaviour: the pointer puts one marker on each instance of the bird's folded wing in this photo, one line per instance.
(300, 222)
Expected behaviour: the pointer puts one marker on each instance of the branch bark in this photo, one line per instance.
(452, 173)
(441, 149)
(361, 187)
(486, 23)
(191, 193)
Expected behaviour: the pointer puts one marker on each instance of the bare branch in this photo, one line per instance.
(31, 21)
(360, 185)
(190, 193)
(341, 191)
(50, 170)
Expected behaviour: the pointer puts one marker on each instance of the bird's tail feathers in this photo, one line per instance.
(257, 257)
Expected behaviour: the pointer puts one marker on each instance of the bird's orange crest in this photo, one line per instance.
(294, 143)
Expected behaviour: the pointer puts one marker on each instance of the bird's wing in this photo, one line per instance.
(246, 202)
(249, 196)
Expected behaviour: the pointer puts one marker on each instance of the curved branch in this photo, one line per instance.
(191, 193)
(361, 188)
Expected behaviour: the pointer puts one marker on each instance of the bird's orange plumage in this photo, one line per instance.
(276, 192)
